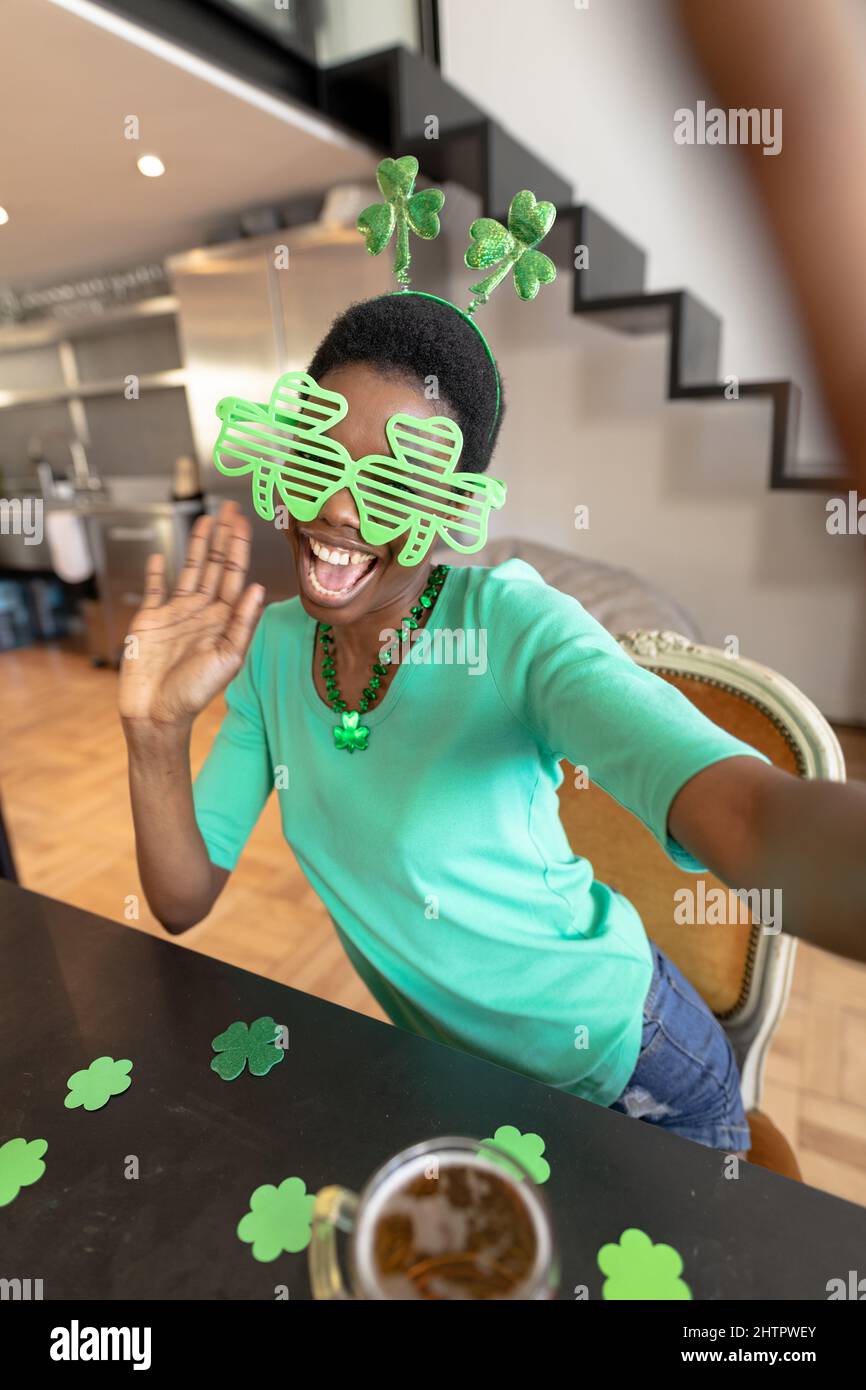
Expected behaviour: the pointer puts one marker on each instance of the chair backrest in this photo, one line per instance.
(616, 597)
(740, 970)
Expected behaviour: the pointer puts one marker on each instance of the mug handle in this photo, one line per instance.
(334, 1210)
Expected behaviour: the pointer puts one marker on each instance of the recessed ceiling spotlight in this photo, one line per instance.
(151, 166)
(4, 217)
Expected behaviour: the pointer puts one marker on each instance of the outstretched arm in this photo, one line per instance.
(755, 826)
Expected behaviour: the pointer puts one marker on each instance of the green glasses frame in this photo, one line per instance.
(286, 448)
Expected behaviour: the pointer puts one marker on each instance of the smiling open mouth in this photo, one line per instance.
(335, 572)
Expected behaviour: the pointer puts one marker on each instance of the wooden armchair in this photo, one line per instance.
(743, 973)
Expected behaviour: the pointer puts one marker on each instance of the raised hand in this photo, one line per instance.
(187, 647)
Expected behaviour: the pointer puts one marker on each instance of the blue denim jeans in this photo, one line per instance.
(686, 1077)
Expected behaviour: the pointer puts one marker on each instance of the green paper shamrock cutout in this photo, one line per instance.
(240, 1045)
(20, 1165)
(637, 1269)
(279, 1219)
(512, 248)
(350, 734)
(95, 1086)
(402, 209)
(526, 1148)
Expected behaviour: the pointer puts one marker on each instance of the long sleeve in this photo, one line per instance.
(563, 675)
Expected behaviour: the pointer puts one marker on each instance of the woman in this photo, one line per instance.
(437, 847)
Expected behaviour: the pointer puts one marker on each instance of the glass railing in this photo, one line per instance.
(334, 31)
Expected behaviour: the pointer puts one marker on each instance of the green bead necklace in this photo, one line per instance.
(351, 734)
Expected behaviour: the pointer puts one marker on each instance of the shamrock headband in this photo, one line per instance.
(415, 491)
(422, 294)
(511, 247)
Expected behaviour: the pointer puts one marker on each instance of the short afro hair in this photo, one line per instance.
(415, 336)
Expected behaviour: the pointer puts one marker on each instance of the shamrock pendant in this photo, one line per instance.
(350, 734)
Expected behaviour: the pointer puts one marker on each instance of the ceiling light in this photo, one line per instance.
(151, 166)
(4, 217)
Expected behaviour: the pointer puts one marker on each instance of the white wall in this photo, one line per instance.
(676, 490)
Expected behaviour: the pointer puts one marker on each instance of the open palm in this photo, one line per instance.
(182, 650)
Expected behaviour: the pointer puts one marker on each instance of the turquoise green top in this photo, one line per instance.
(438, 851)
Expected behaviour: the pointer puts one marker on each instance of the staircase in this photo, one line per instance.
(388, 97)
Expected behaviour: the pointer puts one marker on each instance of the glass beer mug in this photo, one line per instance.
(447, 1219)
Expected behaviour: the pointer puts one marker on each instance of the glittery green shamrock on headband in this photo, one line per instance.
(401, 209)
(512, 248)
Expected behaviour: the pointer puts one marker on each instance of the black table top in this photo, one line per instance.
(348, 1095)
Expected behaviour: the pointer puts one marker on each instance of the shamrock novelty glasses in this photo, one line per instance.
(285, 446)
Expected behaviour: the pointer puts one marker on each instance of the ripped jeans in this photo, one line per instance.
(686, 1077)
